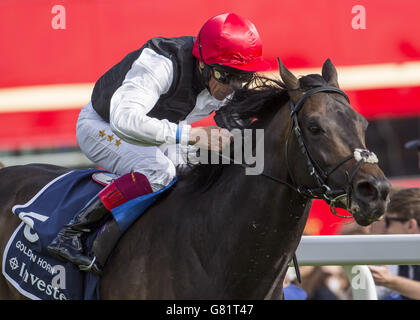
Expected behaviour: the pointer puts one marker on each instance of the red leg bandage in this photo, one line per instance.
(123, 189)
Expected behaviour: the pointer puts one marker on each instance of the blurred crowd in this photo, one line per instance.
(393, 282)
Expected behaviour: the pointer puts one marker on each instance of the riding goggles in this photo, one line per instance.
(226, 77)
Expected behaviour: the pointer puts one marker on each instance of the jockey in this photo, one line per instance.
(137, 124)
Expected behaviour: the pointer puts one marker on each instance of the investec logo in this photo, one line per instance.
(36, 282)
(28, 217)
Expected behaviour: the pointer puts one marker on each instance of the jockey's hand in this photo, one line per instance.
(210, 138)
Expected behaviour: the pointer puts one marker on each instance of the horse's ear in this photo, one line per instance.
(291, 82)
(329, 73)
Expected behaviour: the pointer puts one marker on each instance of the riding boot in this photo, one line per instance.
(125, 188)
(68, 244)
(105, 242)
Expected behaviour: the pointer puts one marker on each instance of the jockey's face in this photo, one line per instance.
(219, 90)
(223, 86)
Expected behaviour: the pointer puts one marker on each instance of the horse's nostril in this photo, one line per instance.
(384, 188)
(367, 190)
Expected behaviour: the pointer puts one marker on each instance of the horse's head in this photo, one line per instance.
(327, 141)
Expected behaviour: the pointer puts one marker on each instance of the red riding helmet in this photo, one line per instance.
(230, 40)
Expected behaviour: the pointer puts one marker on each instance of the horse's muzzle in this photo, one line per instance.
(371, 197)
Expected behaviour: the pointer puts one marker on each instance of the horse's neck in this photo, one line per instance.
(257, 232)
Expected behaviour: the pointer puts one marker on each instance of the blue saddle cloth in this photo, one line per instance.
(26, 262)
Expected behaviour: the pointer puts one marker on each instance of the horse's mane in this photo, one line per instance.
(259, 101)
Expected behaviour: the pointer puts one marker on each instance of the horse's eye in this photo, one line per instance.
(315, 129)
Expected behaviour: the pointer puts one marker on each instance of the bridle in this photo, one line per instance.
(322, 191)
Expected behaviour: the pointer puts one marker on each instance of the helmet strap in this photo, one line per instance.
(205, 73)
(206, 70)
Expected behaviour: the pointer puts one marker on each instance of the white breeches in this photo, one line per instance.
(104, 148)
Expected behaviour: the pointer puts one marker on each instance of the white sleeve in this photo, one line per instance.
(150, 76)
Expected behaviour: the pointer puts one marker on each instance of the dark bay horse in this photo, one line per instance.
(222, 234)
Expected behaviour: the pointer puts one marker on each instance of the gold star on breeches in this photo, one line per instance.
(109, 137)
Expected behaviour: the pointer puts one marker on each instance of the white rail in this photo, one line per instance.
(354, 253)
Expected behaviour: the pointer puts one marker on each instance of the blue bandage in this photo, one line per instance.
(178, 134)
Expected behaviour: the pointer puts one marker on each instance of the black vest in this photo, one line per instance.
(174, 105)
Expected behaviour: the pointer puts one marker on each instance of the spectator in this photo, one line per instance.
(323, 283)
(402, 217)
(291, 289)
